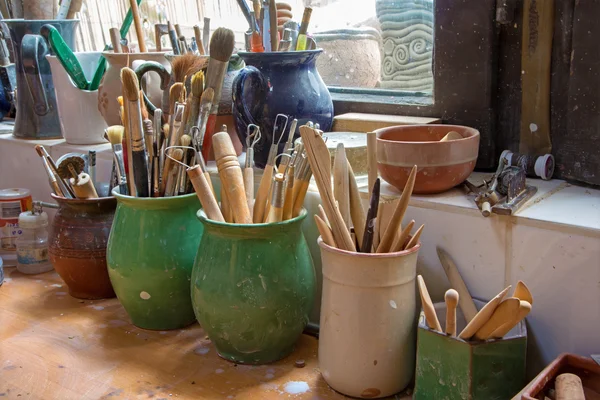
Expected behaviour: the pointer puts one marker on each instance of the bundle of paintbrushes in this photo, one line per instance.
(271, 27)
(179, 43)
(72, 177)
(342, 221)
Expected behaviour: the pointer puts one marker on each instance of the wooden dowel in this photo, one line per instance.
(325, 232)
(139, 31)
(357, 212)
(372, 159)
(205, 194)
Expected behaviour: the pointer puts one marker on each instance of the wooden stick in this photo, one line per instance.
(74, 8)
(231, 176)
(115, 39)
(456, 281)
(482, 316)
(415, 239)
(274, 34)
(322, 214)
(451, 298)
(277, 200)
(430, 315)
(400, 241)
(502, 330)
(225, 206)
(205, 194)
(264, 187)
(505, 312)
(83, 188)
(522, 292)
(198, 36)
(138, 26)
(325, 232)
(396, 220)
(357, 212)
(372, 159)
(288, 203)
(341, 184)
(249, 188)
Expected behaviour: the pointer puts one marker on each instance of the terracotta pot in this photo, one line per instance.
(441, 165)
(78, 239)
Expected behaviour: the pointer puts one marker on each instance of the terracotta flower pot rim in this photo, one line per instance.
(381, 131)
(327, 247)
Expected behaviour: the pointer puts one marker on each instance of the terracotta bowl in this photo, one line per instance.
(441, 165)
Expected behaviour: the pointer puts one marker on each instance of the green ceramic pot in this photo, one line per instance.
(150, 255)
(253, 288)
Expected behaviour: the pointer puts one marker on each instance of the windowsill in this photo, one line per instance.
(386, 97)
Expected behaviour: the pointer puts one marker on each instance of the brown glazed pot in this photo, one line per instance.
(78, 239)
(441, 165)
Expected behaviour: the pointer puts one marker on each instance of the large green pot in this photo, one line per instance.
(150, 255)
(253, 288)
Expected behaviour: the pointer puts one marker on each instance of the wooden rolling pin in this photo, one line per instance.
(232, 180)
(451, 298)
(569, 387)
(430, 315)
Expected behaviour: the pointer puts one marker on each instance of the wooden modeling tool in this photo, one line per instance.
(252, 138)
(72, 168)
(395, 222)
(301, 183)
(341, 184)
(452, 135)
(325, 231)
(482, 316)
(357, 212)
(205, 194)
(428, 309)
(320, 164)
(52, 179)
(522, 292)
(115, 40)
(322, 214)
(367, 242)
(221, 48)
(451, 298)
(456, 281)
(231, 177)
(569, 387)
(277, 199)
(414, 240)
(131, 95)
(225, 206)
(176, 155)
(502, 330)
(372, 159)
(504, 313)
(137, 23)
(400, 243)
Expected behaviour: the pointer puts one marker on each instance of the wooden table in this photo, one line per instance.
(53, 346)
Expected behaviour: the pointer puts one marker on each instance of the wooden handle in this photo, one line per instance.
(504, 313)
(135, 12)
(482, 316)
(400, 241)
(451, 297)
(264, 187)
(341, 184)
(209, 181)
(428, 309)
(486, 209)
(524, 310)
(74, 8)
(115, 39)
(231, 176)
(357, 212)
(414, 240)
(205, 194)
(249, 188)
(522, 292)
(225, 206)
(392, 228)
(288, 204)
(300, 189)
(84, 188)
(325, 232)
(372, 159)
(452, 135)
(198, 36)
(569, 387)
(277, 200)
(456, 281)
(274, 34)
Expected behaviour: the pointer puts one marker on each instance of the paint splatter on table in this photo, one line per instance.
(53, 346)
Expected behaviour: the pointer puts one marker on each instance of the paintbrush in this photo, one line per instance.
(277, 199)
(171, 178)
(302, 39)
(131, 95)
(301, 185)
(185, 141)
(64, 186)
(256, 44)
(173, 139)
(231, 177)
(273, 33)
(137, 22)
(206, 33)
(197, 89)
(221, 48)
(198, 36)
(367, 242)
(56, 189)
(205, 106)
(115, 137)
(92, 166)
(185, 66)
(173, 38)
(124, 106)
(288, 202)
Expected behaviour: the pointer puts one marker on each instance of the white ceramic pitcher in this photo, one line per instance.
(80, 120)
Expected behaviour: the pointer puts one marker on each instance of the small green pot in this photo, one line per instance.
(150, 255)
(253, 288)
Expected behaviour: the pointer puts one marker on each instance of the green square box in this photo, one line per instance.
(449, 368)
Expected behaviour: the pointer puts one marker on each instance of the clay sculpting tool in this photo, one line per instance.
(452, 135)
(65, 56)
(221, 48)
(135, 12)
(522, 292)
(320, 164)
(372, 158)
(325, 231)
(357, 212)
(302, 39)
(277, 199)
(428, 309)
(225, 206)
(456, 281)
(502, 330)
(414, 240)
(266, 25)
(367, 242)
(289, 147)
(504, 313)
(131, 94)
(176, 155)
(56, 189)
(252, 137)
(301, 182)
(341, 184)
(231, 177)
(400, 243)
(395, 222)
(569, 387)
(451, 298)
(482, 316)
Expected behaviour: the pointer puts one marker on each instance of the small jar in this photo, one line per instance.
(32, 244)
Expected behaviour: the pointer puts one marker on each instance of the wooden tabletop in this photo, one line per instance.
(53, 346)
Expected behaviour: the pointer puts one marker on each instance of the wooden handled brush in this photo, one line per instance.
(139, 30)
(232, 180)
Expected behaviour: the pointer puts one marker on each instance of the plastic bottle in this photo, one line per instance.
(32, 244)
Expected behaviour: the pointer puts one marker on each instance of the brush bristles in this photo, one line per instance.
(166, 130)
(115, 134)
(198, 84)
(185, 140)
(131, 85)
(222, 43)
(186, 65)
(207, 96)
(175, 92)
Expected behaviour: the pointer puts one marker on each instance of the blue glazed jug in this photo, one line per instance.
(37, 114)
(279, 83)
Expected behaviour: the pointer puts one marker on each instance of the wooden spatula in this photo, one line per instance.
(524, 309)
(428, 309)
(505, 312)
(482, 316)
(456, 281)
(522, 292)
